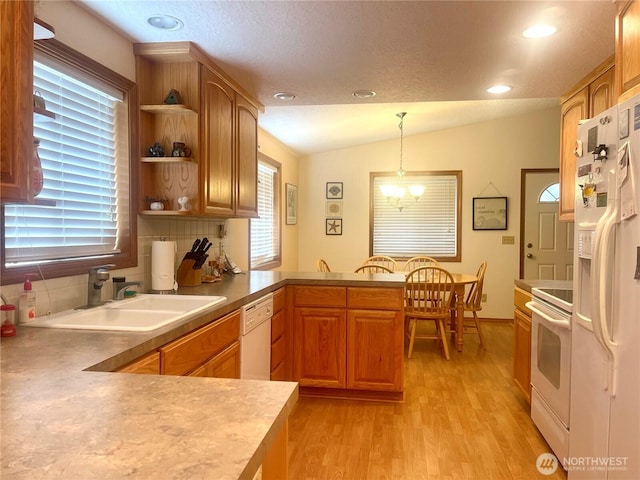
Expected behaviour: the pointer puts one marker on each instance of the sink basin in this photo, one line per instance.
(168, 303)
(142, 313)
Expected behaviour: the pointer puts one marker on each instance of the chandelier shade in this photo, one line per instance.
(395, 192)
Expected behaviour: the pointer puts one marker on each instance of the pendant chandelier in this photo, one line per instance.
(395, 192)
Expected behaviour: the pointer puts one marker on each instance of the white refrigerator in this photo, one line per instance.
(604, 440)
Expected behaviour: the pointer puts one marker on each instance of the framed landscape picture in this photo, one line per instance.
(490, 213)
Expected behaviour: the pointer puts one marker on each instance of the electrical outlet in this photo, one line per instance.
(484, 297)
(508, 240)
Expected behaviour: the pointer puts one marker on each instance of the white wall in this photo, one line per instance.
(487, 152)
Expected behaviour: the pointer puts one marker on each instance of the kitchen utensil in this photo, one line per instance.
(200, 262)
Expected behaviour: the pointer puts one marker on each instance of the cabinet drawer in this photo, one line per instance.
(520, 298)
(192, 350)
(277, 325)
(375, 298)
(277, 352)
(320, 296)
(278, 300)
(149, 364)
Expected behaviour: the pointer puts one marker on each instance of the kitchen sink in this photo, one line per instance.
(143, 313)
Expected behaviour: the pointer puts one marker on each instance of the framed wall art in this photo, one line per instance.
(292, 204)
(334, 208)
(490, 213)
(334, 190)
(333, 226)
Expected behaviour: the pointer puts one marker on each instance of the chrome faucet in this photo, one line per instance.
(119, 287)
(97, 277)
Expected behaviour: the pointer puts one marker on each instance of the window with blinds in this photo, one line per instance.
(265, 230)
(84, 203)
(429, 226)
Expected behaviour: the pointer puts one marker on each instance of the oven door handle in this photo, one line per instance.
(566, 324)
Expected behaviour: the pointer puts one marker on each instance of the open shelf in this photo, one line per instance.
(166, 159)
(170, 109)
(165, 212)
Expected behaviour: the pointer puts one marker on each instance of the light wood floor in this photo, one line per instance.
(462, 419)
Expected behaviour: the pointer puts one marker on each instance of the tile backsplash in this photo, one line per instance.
(58, 294)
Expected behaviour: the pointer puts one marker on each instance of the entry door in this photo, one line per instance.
(548, 243)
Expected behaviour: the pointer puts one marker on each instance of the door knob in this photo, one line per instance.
(529, 245)
(529, 255)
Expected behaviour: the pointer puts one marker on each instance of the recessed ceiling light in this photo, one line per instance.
(165, 22)
(499, 89)
(364, 93)
(284, 96)
(539, 31)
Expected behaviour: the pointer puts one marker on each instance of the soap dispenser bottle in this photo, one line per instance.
(27, 301)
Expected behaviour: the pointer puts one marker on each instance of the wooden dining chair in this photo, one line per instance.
(373, 269)
(323, 266)
(473, 304)
(419, 261)
(383, 260)
(428, 295)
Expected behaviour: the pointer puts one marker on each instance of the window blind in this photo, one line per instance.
(85, 192)
(426, 227)
(265, 229)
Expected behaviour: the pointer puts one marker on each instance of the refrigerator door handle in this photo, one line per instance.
(605, 262)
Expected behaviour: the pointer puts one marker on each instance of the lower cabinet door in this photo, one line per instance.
(320, 336)
(374, 350)
(226, 364)
(522, 353)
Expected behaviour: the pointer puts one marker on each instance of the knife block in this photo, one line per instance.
(187, 276)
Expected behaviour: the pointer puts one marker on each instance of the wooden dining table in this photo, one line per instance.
(461, 280)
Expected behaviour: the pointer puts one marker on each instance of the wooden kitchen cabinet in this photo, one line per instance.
(196, 349)
(375, 340)
(16, 90)
(225, 364)
(522, 342)
(217, 120)
(148, 364)
(321, 344)
(592, 95)
(628, 49)
(278, 336)
(246, 204)
(348, 338)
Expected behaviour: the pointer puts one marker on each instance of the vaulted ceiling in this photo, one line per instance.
(432, 59)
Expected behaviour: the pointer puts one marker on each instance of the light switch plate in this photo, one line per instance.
(508, 240)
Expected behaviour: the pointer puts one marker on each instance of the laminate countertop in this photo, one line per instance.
(527, 285)
(64, 415)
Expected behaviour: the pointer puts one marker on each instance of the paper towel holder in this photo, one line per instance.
(172, 291)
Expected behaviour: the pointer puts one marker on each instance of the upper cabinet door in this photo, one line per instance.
(16, 90)
(218, 149)
(573, 110)
(628, 49)
(601, 93)
(247, 167)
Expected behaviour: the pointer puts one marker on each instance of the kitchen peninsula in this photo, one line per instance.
(64, 414)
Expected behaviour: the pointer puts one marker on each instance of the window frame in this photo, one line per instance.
(457, 174)
(128, 256)
(277, 192)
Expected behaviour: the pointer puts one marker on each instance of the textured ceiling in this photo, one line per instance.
(433, 59)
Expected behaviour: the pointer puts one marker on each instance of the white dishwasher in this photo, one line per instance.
(255, 341)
